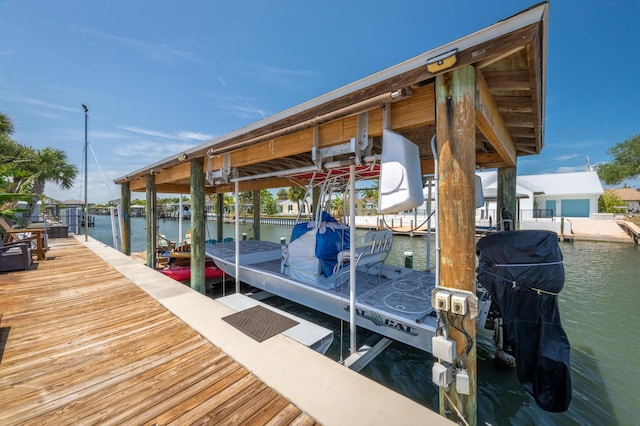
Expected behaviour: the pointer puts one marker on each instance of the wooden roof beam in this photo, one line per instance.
(259, 184)
(172, 174)
(491, 124)
(536, 82)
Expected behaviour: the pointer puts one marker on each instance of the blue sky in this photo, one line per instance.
(161, 76)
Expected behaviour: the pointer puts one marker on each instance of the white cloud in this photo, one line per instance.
(247, 111)
(161, 51)
(148, 132)
(567, 157)
(40, 103)
(144, 152)
(182, 135)
(197, 136)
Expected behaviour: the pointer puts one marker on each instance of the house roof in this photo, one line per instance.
(587, 183)
(509, 59)
(72, 202)
(490, 181)
(550, 184)
(627, 194)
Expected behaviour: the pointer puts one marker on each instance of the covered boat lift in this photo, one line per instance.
(482, 96)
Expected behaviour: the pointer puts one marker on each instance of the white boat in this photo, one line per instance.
(390, 300)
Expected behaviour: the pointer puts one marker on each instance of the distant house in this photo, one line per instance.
(288, 207)
(630, 196)
(549, 195)
(71, 203)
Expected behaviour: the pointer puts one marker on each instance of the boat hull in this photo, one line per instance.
(378, 308)
(183, 273)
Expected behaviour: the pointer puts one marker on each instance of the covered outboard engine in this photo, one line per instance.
(523, 272)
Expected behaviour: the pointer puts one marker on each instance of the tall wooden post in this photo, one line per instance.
(220, 217)
(125, 220)
(152, 221)
(257, 207)
(455, 133)
(198, 224)
(507, 198)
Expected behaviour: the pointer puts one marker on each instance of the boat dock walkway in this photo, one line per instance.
(91, 336)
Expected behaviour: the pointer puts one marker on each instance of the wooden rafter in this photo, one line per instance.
(490, 122)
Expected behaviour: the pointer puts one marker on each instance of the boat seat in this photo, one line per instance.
(374, 252)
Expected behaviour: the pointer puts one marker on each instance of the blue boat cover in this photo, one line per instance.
(523, 271)
(331, 238)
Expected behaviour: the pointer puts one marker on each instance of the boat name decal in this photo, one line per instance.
(380, 321)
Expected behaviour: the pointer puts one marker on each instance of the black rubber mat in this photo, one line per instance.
(260, 323)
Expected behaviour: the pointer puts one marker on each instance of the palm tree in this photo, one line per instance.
(48, 165)
(6, 125)
(298, 195)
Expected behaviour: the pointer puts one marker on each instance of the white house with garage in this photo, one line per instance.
(547, 195)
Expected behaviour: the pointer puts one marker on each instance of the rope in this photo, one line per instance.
(514, 283)
(101, 173)
(517, 265)
(452, 405)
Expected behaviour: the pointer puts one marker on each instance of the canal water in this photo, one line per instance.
(599, 308)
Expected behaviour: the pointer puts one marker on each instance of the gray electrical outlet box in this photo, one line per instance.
(442, 374)
(443, 348)
(462, 382)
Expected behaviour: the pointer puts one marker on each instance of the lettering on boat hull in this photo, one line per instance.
(381, 321)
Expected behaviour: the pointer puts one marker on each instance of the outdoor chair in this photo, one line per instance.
(35, 235)
(15, 256)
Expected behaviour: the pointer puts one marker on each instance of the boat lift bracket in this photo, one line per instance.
(221, 176)
(367, 352)
(360, 146)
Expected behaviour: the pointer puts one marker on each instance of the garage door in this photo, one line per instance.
(575, 208)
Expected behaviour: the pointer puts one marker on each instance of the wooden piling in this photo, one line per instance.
(125, 220)
(198, 225)
(455, 133)
(152, 221)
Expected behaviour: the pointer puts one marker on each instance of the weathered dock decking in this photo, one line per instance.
(82, 344)
(91, 336)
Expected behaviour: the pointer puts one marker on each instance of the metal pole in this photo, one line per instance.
(352, 256)
(86, 180)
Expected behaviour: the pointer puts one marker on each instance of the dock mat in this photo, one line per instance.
(260, 323)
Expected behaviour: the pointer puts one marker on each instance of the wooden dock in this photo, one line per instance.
(82, 344)
(91, 336)
(631, 229)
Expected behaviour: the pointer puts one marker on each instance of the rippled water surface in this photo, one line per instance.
(599, 308)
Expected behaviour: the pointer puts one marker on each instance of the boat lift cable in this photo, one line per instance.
(412, 229)
(102, 173)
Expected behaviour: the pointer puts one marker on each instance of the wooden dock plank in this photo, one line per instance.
(83, 344)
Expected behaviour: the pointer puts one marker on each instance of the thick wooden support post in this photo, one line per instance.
(198, 225)
(152, 221)
(257, 207)
(455, 133)
(125, 220)
(220, 217)
(507, 193)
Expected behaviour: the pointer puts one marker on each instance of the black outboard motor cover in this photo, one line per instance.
(523, 272)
